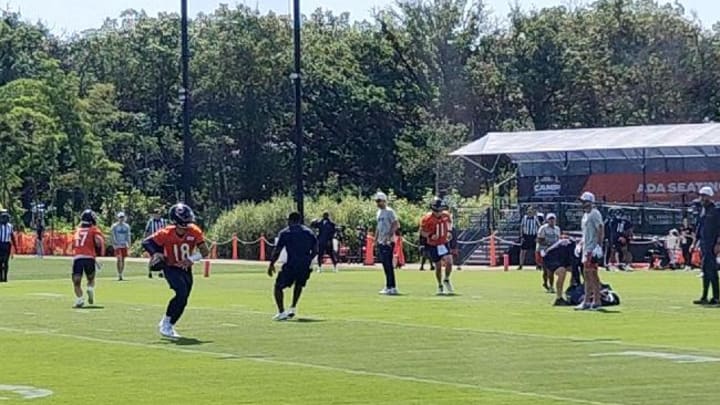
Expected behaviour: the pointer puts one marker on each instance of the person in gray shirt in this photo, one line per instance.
(387, 226)
(121, 239)
(547, 236)
(593, 233)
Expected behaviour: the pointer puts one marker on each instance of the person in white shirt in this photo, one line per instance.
(672, 246)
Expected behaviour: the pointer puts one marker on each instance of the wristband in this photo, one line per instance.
(196, 257)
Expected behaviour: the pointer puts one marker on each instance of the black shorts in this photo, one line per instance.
(434, 256)
(290, 276)
(86, 266)
(5, 249)
(562, 256)
(528, 242)
(325, 248)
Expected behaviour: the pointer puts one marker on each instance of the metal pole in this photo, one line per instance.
(185, 99)
(492, 203)
(644, 193)
(297, 78)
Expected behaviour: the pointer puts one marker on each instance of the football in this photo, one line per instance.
(157, 263)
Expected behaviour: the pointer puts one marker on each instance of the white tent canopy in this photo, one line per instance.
(638, 142)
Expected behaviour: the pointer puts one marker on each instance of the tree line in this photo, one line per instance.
(93, 120)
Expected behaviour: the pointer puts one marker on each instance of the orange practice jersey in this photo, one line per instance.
(177, 248)
(438, 228)
(84, 245)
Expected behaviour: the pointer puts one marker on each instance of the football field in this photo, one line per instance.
(499, 341)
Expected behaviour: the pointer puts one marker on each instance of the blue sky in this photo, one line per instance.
(76, 15)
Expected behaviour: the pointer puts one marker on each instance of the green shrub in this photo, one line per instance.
(249, 220)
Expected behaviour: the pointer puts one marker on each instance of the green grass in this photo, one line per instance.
(499, 342)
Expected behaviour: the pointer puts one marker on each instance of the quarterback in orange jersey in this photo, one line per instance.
(88, 244)
(436, 227)
(174, 250)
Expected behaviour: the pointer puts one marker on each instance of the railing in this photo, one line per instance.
(646, 220)
(470, 238)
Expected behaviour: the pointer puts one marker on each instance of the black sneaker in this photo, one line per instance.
(701, 301)
(560, 302)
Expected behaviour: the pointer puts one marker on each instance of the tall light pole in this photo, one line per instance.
(185, 100)
(297, 78)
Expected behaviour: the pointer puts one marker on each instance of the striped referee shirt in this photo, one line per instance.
(529, 225)
(154, 225)
(6, 233)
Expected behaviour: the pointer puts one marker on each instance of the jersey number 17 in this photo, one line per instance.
(80, 238)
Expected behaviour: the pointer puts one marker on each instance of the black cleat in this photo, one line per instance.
(701, 301)
(149, 274)
(713, 302)
(560, 302)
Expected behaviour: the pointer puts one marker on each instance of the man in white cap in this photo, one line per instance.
(708, 235)
(120, 235)
(387, 226)
(593, 233)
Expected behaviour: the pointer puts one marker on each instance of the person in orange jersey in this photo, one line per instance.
(89, 242)
(174, 250)
(436, 227)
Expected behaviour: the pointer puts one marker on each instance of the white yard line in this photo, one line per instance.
(310, 365)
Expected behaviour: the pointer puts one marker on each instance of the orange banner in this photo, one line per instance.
(660, 187)
(54, 243)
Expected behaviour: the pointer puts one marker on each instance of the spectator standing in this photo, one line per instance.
(120, 235)
(155, 224)
(327, 231)
(387, 226)
(687, 240)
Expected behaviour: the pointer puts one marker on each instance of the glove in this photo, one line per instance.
(542, 253)
(578, 250)
(597, 252)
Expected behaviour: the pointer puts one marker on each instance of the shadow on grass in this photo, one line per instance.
(448, 295)
(92, 307)
(608, 311)
(309, 320)
(186, 341)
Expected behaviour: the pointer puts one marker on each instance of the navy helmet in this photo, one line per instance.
(88, 217)
(181, 214)
(437, 205)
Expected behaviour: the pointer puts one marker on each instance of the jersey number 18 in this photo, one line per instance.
(181, 252)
